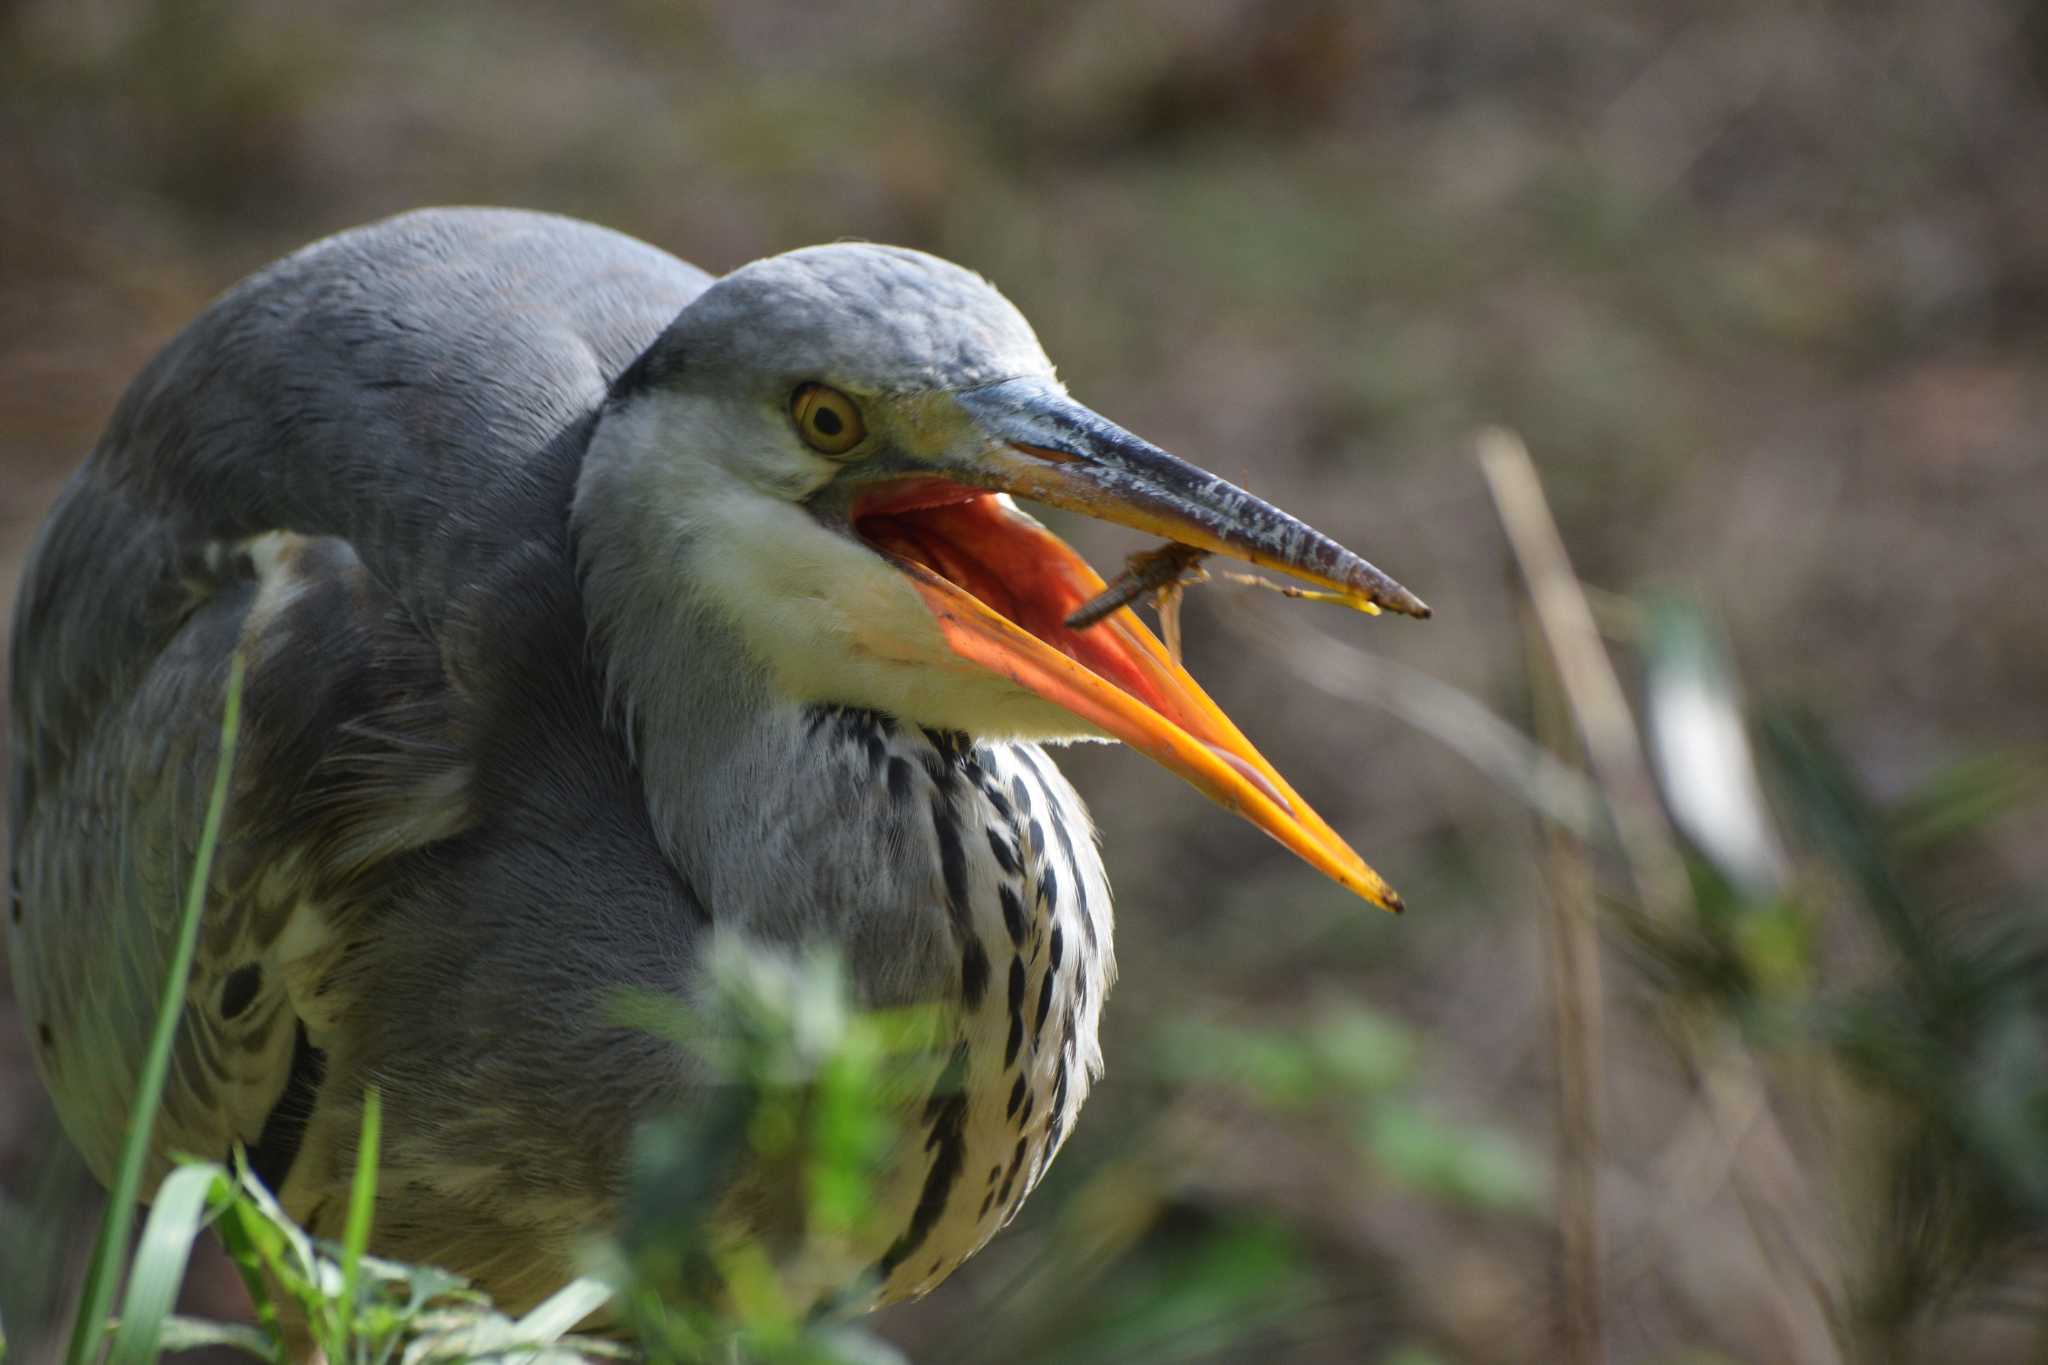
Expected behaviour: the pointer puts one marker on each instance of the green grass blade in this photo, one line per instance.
(286, 1248)
(362, 1202)
(176, 1219)
(111, 1249)
(247, 1259)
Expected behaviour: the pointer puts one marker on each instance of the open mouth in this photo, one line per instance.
(1001, 587)
(1005, 561)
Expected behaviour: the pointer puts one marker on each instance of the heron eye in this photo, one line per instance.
(827, 419)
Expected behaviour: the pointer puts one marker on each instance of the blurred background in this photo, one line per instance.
(1748, 1065)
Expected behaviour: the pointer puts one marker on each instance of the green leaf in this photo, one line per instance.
(562, 1310)
(424, 1283)
(1774, 943)
(193, 1334)
(247, 1259)
(1824, 795)
(111, 1248)
(175, 1221)
(1966, 796)
(1411, 1355)
(1470, 1165)
(1279, 1068)
(276, 1233)
(362, 1202)
(1363, 1052)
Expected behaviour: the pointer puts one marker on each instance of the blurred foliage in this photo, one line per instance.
(1358, 1065)
(804, 1094)
(1953, 1033)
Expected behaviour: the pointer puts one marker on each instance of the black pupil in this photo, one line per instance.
(827, 422)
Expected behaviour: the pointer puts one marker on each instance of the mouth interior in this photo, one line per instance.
(1011, 565)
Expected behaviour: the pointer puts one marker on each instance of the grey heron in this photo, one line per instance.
(593, 609)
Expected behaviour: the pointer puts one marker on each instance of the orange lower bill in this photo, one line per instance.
(1001, 587)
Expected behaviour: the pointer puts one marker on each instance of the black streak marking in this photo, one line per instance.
(1037, 840)
(1052, 1147)
(951, 745)
(1000, 846)
(899, 778)
(973, 973)
(1016, 1010)
(952, 860)
(1059, 830)
(1044, 1005)
(947, 1114)
(1022, 793)
(953, 864)
(1013, 914)
(1010, 1176)
(1016, 1099)
(1052, 801)
(1059, 945)
(1048, 884)
(272, 1156)
(943, 758)
(1058, 1111)
(238, 992)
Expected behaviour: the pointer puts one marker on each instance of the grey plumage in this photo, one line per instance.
(359, 467)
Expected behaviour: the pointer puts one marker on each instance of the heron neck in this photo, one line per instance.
(784, 832)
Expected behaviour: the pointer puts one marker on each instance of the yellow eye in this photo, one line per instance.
(827, 419)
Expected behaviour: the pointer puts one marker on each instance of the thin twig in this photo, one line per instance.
(1773, 1196)
(1599, 707)
(1579, 1032)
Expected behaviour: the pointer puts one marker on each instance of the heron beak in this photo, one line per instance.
(1001, 588)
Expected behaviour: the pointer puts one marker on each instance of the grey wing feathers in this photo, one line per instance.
(337, 469)
(108, 806)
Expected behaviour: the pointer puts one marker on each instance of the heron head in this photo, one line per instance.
(834, 436)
